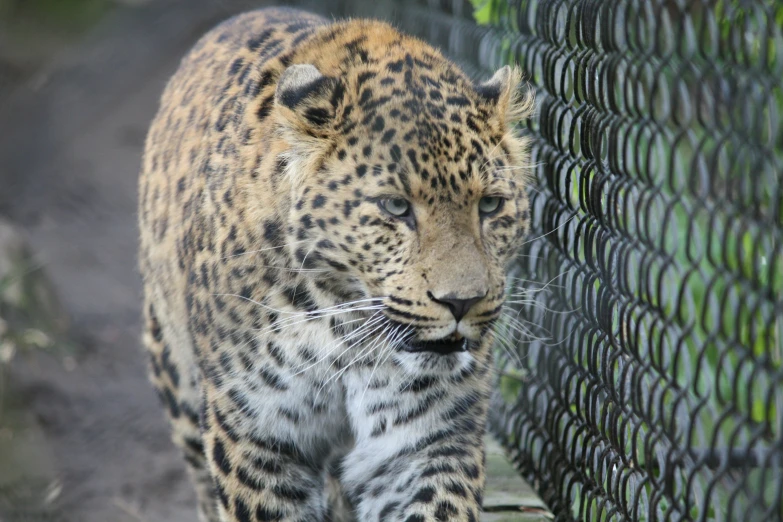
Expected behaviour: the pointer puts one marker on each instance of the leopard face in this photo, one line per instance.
(408, 189)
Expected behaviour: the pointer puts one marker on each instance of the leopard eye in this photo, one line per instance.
(490, 204)
(397, 207)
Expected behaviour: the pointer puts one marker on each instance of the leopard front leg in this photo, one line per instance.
(419, 454)
(172, 375)
(267, 441)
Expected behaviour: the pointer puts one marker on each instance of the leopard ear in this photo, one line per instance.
(503, 91)
(306, 99)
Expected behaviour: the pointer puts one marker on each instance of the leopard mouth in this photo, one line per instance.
(448, 345)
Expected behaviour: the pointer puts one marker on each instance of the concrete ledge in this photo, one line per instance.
(508, 497)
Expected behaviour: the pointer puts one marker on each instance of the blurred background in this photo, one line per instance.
(641, 355)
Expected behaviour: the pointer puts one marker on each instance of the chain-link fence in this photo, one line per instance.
(642, 377)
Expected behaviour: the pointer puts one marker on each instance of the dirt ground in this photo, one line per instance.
(69, 158)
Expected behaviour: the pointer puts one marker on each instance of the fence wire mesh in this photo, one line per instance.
(641, 356)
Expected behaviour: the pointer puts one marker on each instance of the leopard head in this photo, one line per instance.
(408, 188)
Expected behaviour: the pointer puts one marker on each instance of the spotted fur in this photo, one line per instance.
(298, 330)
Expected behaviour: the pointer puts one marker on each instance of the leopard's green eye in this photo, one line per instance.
(490, 204)
(397, 207)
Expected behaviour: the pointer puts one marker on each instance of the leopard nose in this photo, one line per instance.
(459, 306)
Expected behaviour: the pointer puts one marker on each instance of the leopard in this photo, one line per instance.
(328, 210)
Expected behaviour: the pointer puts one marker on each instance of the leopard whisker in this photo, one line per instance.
(361, 333)
(338, 374)
(294, 270)
(250, 252)
(508, 347)
(379, 338)
(549, 344)
(541, 306)
(548, 283)
(365, 351)
(327, 350)
(304, 260)
(558, 227)
(291, 321)
(378, 362)
(287, 311)
(386, 352)
(529, 166)
(516, 325)
(484, 169)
